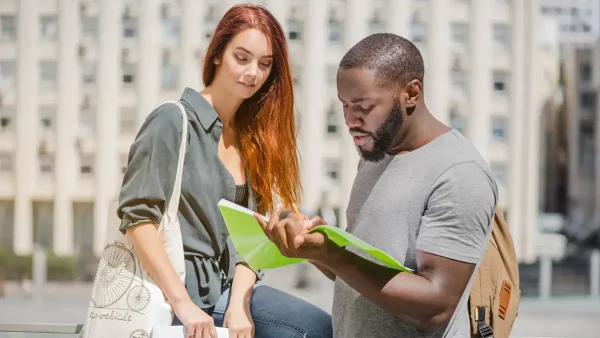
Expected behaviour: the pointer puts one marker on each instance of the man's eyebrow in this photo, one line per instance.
(360, 99)
(249, 52)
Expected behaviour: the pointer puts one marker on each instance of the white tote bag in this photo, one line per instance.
(126, 302)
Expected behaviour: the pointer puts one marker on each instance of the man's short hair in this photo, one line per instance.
(395, 60)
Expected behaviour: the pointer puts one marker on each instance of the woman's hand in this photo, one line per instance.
(197, 322)
(239, 322)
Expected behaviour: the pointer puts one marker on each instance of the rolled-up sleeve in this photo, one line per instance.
(236, 259)
(151, 168)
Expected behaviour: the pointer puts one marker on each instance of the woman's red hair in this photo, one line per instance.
(265, 122)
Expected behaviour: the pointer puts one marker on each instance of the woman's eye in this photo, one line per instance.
(240, 58)
(266, 64)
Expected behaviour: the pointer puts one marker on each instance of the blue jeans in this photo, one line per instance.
(277, 314)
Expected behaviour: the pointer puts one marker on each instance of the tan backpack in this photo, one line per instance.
(495, 294)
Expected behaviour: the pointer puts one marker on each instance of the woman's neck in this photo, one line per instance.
(223, 104)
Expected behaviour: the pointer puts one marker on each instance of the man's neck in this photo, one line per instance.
(422, 129)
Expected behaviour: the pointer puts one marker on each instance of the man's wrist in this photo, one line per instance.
(333, 256)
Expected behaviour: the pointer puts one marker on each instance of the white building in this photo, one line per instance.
(75, 88)
(578, 20)
(583, 113)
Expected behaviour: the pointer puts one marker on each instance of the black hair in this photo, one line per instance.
(395, 60)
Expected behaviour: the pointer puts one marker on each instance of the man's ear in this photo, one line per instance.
(413, 90)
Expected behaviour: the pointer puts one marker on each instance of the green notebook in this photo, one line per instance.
(260, 253)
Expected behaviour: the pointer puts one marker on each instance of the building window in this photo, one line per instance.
(87, 121)
(129, 74)
(211, 13)
(86, 166)
(43, 223)
(499, 125)
(332, 75)
(332, 168)
(297, 74)
(587, 149)
(459, 81)
(458, 121)
(418, 31)
(170, 76)
(209, 33)
(7, 115)
(49, 27)
(587, 100)
(294, 30)
(332, 121)
(48, 73)
(171, 30)
(88, 72)
(90, 26)
(127, 120)
(7, 74)
(6, 162)
(129, 27)
(500, 79)
(83, 231)
(585, 71)
(8, 27)
(500, 172)
(46, 115)
(336, 31)
(502, 39)
(460, 36)
(46, 164)
(7, 224)
(418, 28)
(377, 21)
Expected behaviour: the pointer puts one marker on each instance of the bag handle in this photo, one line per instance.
(174, 201)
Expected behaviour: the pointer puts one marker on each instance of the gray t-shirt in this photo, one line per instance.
(440, 199)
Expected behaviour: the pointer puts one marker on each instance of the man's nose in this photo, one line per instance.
(352, 120)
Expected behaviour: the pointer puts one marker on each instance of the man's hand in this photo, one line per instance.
(291, 236)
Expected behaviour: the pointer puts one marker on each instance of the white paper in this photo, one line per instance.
(180, 332)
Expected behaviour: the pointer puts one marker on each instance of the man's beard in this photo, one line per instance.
(384, 136)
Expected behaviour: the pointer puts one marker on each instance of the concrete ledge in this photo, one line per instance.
(41, 328)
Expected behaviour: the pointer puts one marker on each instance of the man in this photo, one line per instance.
(424, 195)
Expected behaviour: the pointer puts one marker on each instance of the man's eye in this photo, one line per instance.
(368, 109)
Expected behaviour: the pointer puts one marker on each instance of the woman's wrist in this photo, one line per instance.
(239, 304)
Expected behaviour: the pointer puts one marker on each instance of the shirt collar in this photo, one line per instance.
(203, 110)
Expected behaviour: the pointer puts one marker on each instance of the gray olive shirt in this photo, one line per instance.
(148, 184)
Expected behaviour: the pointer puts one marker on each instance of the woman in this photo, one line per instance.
(241, 147)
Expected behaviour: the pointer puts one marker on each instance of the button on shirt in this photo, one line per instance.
(148, 183)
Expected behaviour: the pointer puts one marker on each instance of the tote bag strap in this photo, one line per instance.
(174, 201)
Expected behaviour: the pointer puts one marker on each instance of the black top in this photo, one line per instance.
(148, 183)
(241, 195)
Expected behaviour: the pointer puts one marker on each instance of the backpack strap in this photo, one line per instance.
(480, 304)
(484, 330)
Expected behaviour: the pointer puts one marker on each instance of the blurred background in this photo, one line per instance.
(520, 78)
